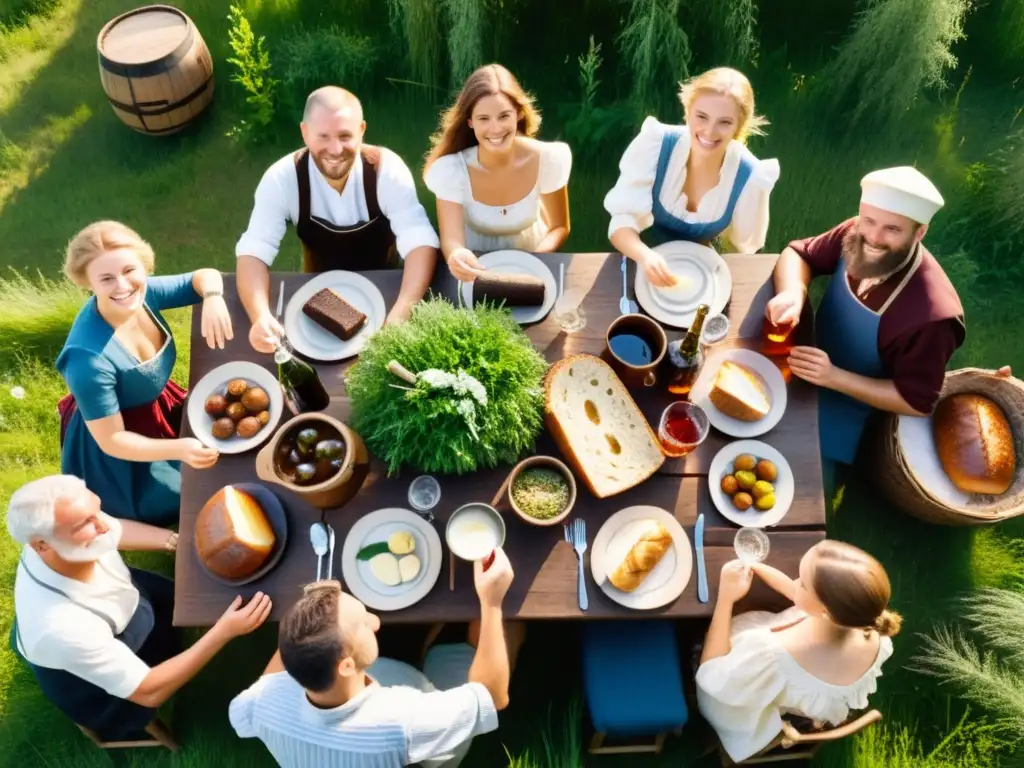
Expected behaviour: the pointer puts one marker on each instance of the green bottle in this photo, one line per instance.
(302, 388)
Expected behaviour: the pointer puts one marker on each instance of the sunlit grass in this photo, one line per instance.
(27, 48)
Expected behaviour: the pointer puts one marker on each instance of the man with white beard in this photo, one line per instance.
(96, 633)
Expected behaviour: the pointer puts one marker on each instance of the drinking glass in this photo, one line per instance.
(682, 428)
(569, 313)
(776, 338)
(751, 545)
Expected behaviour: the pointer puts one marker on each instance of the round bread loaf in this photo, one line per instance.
(233, 536)
(975, 443)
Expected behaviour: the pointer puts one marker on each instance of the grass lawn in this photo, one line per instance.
(65, 161)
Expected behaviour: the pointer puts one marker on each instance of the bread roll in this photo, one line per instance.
(233, 535)
(975, 444)
(516, 290)
(642, 557)
(597, 426)
(740, 393)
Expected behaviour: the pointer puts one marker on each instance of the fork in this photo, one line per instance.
(579, 543)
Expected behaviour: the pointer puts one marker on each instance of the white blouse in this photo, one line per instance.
(492, 227)
(630, 201)
(744, 694)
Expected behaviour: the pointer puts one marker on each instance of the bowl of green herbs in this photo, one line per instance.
(542, 490)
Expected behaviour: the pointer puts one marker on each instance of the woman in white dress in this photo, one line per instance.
(696, 181)
(496, 185)
(819, 659)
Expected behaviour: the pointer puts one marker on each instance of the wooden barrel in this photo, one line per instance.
(906, 469)
(155, 68)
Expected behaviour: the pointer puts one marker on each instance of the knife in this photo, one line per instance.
(698, 542)
(280, 302)
(330, 551)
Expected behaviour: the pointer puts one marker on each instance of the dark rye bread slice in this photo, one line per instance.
(328, 310)
(516, 290)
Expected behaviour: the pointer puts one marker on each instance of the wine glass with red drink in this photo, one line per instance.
(683, 427)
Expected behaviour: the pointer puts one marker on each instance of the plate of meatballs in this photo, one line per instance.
(235, 407)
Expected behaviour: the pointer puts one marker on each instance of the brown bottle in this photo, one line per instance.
(685, 356)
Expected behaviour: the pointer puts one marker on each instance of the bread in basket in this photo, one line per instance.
(598, 427)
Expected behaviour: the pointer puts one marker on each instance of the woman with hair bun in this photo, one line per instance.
(819, 659)
(120, 422)
(695, 181)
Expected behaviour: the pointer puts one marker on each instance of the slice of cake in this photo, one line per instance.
(740, 393)
(335, 315)
(516, 290)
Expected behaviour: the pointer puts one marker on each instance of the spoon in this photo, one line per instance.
(318, 538)
(626, 307)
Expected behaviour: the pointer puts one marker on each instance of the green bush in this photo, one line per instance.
(252, 72)
(656, 49)
(993, 209)
(593, 130)
(327, 55)
(449, 431)
(898, 49)
(18, 11)
(993, 678)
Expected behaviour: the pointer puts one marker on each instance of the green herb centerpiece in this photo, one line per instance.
(477, 400)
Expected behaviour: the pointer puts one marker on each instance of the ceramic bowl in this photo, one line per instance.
(546, 462)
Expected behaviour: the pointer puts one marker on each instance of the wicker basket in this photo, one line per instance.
(896, 480)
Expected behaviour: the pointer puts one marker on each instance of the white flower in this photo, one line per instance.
(461, 384)
(17, 392)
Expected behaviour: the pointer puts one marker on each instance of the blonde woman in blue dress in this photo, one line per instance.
(120, 423)
(496, 185)
(696, 181)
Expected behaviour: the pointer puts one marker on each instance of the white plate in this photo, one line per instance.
(310, 339)
(924, 463)
(756, 362)
(704, 279)
(216, 382)
(785, 487)
(376, 527)
(518, 262)
(619, 533)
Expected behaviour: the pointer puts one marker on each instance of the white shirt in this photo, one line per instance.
(277, 203)
(630, 201)
(744, 694)
(398, 720)
(56, 633)
(493, 227)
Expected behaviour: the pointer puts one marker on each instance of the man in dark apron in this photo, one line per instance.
(890, 319)
(96, 634)
(354, 208)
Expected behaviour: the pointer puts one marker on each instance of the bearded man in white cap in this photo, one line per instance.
(890, 319)
(97, 634)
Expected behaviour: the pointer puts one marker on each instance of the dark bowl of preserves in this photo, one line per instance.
(316, 457)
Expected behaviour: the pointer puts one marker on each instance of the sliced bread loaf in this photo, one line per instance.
(598, 427)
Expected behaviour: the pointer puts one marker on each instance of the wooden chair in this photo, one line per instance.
(791, 744)
(161, 737)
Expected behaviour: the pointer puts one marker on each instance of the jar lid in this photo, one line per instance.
(715, 329)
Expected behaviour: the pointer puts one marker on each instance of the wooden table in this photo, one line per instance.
(545, 566)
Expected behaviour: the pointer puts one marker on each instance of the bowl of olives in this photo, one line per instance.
(235, 407)
(318, 458)
(751, 483)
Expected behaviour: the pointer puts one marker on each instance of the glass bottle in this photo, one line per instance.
(686, 356)
(303, 390)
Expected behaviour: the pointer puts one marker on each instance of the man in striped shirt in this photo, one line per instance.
(327, 701)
